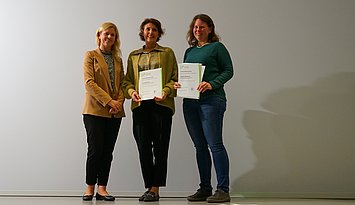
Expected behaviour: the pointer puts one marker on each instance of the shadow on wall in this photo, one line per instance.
(305, 140)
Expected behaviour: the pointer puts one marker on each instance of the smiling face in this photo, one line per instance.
(201, 31)
(107, 38)
(150, 33)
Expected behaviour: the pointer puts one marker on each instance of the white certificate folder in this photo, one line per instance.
(190, 76)
(150, 83)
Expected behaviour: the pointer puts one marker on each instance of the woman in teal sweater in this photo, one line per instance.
(204, 116)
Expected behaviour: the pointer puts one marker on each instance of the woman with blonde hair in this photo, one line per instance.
(102, 109)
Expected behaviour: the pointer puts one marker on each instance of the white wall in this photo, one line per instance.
(289, 128)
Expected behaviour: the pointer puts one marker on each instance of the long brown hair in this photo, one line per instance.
(212, 37)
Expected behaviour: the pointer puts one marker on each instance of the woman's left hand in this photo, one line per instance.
(177, 85)
(203, 86)
(160, 98)
(113, 111)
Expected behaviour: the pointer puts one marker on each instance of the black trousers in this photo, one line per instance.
(101, 139)
(151, 130)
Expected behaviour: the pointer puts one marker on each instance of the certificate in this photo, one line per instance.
(190, 76)
(150, 83)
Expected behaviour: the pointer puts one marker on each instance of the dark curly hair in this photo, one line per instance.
(156, 23)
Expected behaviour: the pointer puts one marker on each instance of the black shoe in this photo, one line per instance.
(200, 195)
(151, 196)
(88, 197)
(143, 196)
(104, 198)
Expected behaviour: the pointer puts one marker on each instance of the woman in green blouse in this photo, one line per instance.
(152, 118)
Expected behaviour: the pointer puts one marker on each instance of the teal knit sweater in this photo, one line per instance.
(219, 67)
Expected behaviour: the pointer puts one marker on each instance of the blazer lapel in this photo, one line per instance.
(103, 65)
(118, 67)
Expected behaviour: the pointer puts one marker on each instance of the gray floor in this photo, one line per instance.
(168, 201)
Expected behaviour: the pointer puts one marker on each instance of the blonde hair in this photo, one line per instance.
(116, 46)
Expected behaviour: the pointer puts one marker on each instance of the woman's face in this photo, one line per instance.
(150, 33)
(107, 38)
(201, 30)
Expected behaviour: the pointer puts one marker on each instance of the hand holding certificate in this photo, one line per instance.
(150, 83)
(190, 76)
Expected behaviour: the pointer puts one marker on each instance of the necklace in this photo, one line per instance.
(200, 45)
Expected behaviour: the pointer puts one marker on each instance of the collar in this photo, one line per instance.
(156, 48)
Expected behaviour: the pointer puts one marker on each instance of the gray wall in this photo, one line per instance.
(290, 124)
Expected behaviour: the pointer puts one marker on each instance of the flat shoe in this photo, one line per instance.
(143, 196)
(151, 196)
(104, 198)
(88, 197)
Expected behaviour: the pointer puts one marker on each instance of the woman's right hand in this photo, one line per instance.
(136, 97)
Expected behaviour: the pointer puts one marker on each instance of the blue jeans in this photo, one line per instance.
(204, 122)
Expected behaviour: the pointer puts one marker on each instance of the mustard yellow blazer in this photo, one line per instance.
(98, 89)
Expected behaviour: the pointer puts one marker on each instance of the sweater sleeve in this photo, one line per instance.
(225, 67)
(168, 88)
(128, 81)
